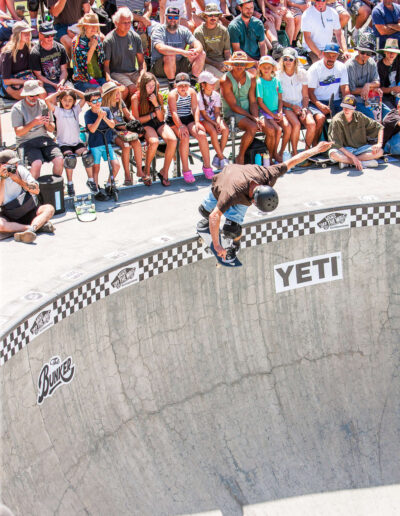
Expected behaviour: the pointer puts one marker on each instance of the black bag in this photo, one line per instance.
(17, 208)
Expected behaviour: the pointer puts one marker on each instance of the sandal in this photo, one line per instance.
(164, 181)
(128, 182)
(188, 177)
(147, 181)
(208, 172)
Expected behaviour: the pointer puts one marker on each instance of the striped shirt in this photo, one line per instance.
(183, 106)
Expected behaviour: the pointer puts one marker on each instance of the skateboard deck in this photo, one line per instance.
(322, 160)
(85, 208)
(206, 240)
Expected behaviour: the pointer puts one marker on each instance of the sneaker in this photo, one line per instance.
(372, 163)
(203, 224)
(70, 190)
(108, 190)
(100, 196)
(215, 162)
(231, 253)
(223, 163)
(27, 236)
(343, 165)
(48, 227)
(92, 186)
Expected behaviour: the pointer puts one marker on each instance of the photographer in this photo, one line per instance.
(20, 213)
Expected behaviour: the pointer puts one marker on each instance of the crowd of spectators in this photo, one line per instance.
(189, 69)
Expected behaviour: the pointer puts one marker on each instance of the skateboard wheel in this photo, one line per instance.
(385, 160)
(323, 165)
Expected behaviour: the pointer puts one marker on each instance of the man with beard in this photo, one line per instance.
(168, 50)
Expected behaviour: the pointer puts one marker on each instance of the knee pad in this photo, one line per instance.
(203, 212)
(33, 5)
(87, 159)
(231, 229)
(70, 161)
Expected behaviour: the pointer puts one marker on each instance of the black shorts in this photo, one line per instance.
(155, 124)
(186, 120)
(42, 148)
(72, 148)
(26, 219)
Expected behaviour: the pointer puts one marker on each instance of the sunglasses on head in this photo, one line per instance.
(173, 17)
(288, 58)
(96, 101)
(365, 53)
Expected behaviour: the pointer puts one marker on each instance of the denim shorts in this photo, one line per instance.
(235, 213)
(100, 152)
(353, 150)
(62, 30)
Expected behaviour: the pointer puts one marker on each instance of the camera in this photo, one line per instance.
(11, 169)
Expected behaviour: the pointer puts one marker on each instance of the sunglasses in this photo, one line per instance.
(364, 53)
(48, 36)
(96, 101)
(173, 17)
(291, 59)
(238, 65)
(212, 16)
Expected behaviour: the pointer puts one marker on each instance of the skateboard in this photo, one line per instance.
(375, 103)
(322, 160)
(206, 240)
(388, 158)
(85, 209)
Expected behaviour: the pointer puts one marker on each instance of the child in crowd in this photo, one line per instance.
(97, 120)
(112, 99)
(184, 117)
(68, 133)
(210, 116)
(269, 98)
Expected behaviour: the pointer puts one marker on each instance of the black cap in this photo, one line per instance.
(47, 29)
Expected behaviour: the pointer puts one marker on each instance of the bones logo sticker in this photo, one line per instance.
(54, 374)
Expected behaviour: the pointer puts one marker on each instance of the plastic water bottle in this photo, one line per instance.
(266, 160)
(258, 159)
(286, 156)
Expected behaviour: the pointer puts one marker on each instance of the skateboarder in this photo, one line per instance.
(235, 189)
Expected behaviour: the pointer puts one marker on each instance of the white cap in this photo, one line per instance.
(207, 77)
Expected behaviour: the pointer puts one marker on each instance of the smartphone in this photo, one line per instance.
(45, 111)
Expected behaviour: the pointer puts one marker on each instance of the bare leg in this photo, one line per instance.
(183, 149)
(35, 168)
(250, 129)
(152, 144)
(201, 137)
(310, 126)
(170, 67)
(167, 134)
(58, 165)
(269, 131)
(319, 124)
(224, 136)
(295, 125)
(137, 152)
(214, 138)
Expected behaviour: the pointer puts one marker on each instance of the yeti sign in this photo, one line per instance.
(308, 271)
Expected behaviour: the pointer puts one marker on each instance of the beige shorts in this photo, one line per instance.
(127, 79)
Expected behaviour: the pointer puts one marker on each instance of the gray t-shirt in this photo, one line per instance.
(121, 52)
(22, 113)
(361, 74)
(178, 39)
(68, 126)
(11, 189)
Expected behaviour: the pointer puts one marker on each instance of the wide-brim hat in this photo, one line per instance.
(90, 19)
(211, 9)
(239, 57)
(110, 86)
(8, 156)
(391, 45)
(32, 88)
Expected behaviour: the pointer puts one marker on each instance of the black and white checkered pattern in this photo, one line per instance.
(185, 253)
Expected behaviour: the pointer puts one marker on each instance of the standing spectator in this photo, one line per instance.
(215, 40)
(247, 33)
(169, 55)
(185, 11)
(66, 14)
(385, 21)
(48, 59)
(148, 108)
(363, 75)
(88, 54)
(350, 131)
(389, 73)
(14, 61)
(319, 24)
(294, 83)
(122, 47)
(26, 219)
(326, 77)
(31, 122)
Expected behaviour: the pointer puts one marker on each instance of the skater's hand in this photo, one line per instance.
(357, 163)
(323, 147)
(221, 252)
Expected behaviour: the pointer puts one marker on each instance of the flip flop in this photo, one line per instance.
(164, 181)
(188, 177)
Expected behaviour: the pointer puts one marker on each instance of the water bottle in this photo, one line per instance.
(258, 159)
(265, 159)
(286, 156)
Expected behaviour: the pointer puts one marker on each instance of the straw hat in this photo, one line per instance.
(239, 57)
(110, 86)
(90, 19)
(32, 88)
(391, 45)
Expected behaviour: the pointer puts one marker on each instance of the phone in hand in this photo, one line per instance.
(45, 111)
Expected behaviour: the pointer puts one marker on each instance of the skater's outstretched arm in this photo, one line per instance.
(302, 156)
(215, 220)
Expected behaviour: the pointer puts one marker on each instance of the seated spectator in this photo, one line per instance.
(222, 6)
(326, 77)
(214, 38)
(389, 73)
(169, 54)
(123, 47)
(211, 117)
(99, 122)
(319, 24)
(141, 10)
(361, 10)
(344, 16)
(185, 10)
(183, 115)
(297, 7)
(48, 59)
(88, 54)
(148, 108)
(66, 14)
(14, 61)
(294, 83)
(238, 91)
(111, 94)
(385, 21)
(350, 132)
(20, 213)
(281, 13)
(68, 133)
(8, 5)
(269, 98)
(363, 75)
(31, 122)
(271, 35)
(391, 128)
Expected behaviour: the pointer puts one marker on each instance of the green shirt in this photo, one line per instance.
(352, 134)
(241, 95)
(248, 36)
(214, 41)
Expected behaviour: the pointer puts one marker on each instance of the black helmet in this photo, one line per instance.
(265, 198)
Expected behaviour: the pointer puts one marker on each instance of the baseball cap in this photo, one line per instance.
(349, 101)
(174, 11)
(207, 77)
(182, 78)
(267, 60)
(47, 29)
(332, 47)
(290, 52)
(21, 26)
(8, 156)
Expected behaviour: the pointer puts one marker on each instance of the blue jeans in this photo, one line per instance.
(83, 86)
(393, 145)
(235, 213)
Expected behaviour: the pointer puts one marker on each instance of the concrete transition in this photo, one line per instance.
(218, 391)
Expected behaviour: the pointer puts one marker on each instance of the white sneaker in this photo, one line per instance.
(343, 165)
(372, 163)
(223, 163)
(216, 162)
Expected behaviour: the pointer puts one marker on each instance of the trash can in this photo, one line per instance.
(52, 192)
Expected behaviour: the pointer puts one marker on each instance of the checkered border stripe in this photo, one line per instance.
(184, 254)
